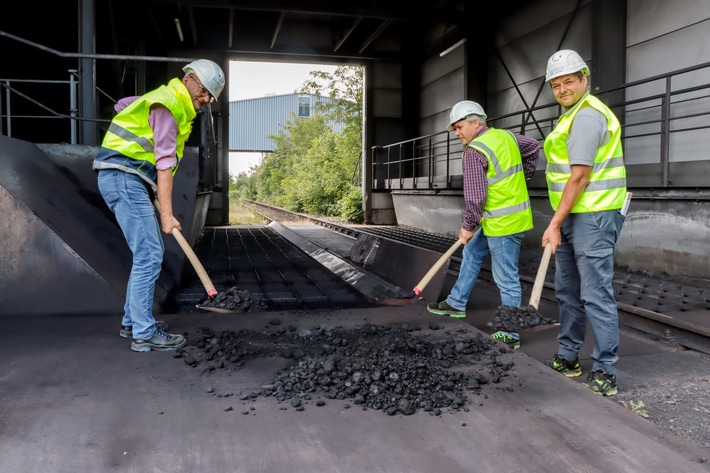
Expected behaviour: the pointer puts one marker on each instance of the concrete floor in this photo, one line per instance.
(75, 398)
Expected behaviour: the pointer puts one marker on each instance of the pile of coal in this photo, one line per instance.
(512, 319)
(235, 300)
(384, 368)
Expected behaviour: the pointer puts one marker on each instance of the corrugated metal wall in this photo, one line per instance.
(252, 121)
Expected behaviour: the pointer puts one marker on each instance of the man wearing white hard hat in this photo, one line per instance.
(586, 181)
(139, 156)
(496, 165)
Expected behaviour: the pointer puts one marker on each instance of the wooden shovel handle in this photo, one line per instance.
(540, 278)
(209, 287)
(437, 266)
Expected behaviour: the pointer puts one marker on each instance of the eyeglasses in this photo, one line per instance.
(203, 90)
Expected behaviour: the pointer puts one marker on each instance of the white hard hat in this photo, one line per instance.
(565, 61)
(462, 110)
(209, 73)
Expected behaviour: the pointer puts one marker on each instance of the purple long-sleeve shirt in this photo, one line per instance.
(164, 128)
(475, 185)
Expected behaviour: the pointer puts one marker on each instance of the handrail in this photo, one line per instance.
(95, 56)
(73, 102)
(73, 82)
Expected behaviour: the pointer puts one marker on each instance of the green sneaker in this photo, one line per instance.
(443, 308)
(571, 369)
(509, 338)
(601, 383)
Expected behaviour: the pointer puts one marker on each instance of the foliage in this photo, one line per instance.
(313, 169)
(351, 205)
(637, 407)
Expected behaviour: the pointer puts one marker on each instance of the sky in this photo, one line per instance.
(248, 80)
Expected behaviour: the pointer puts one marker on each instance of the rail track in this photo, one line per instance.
(676, 313)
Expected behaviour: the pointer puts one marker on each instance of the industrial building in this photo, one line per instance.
(252, 121)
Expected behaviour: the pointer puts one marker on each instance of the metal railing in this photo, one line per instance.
(6, 105)
(651, 112)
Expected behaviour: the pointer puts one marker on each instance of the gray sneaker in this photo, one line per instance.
(443, 308)
(127, 330)
(160, 341)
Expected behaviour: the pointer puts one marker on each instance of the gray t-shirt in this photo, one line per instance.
(586, 135)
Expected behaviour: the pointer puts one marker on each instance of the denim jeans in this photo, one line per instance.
(584, 273)
(504, 252)
(128, 198)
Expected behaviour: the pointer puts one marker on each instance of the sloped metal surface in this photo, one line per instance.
(61, 249)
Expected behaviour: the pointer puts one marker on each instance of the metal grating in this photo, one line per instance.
(257, 259)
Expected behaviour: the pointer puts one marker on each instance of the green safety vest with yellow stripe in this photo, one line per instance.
(607, 184)
(507, 210)
(128, 144)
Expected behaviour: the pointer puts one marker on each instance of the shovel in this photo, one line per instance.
(199, 269)
(540, 278)
(187, 249)
(201, 273)
(411, 298)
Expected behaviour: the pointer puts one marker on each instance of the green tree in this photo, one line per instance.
(345, 87)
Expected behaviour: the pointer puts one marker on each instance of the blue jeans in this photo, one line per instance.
(584, 273)
(128, 198)
(504, 252)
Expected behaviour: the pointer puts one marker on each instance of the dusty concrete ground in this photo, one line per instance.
(680, 404)
(74, 396)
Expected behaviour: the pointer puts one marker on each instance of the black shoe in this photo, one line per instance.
(160, 341)
(127, 330)
(601, 383)
(571, 369)
(443, 308)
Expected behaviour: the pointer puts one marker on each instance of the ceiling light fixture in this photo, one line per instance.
(452, 47)
(179, 30)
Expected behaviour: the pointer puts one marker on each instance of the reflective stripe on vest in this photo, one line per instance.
(121, 132)
(507, 210)
(607, 183)
(128, 143)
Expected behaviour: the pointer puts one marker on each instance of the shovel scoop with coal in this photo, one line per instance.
(508, 320)
(233, 300)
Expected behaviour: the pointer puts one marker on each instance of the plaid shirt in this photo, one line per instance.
(475, 185)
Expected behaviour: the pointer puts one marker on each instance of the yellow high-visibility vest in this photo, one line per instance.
(507, 210)
(607, 185)
(128, 143)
